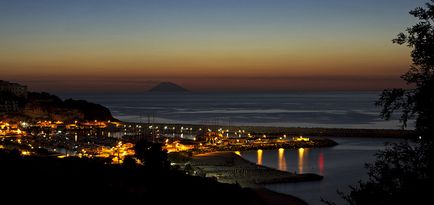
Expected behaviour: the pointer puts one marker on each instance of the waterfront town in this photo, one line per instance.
(32, 127)
(115, 140)
(45, 136)
(36, 124)
(41, 127)
(248, 102)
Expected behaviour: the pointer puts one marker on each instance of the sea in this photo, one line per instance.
(290, 109)
(341, 166)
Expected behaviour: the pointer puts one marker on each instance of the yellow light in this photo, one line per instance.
(282, 160)
(301, 138)
(238, 153)
(300, 160)
(259, 157)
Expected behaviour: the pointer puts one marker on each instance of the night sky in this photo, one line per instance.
(204, 45)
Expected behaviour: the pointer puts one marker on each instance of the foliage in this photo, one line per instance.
(403, 173)
(151, 154)
(37, 179)
(179, 157)
(129, 162)
(418, 101)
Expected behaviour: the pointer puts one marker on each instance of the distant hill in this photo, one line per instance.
(167, 87)
(44, 106)
(50, 107)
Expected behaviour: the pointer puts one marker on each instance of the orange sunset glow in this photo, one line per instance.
(202, 46)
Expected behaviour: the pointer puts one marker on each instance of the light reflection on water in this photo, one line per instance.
(259, 161)
(321, 163)
(282, 160)
(300, 160)
(341, 166)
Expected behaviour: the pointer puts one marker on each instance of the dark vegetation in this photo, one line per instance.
(151, 155)
(403, 173)
(45, 106)
(416, 102)
(83, 179)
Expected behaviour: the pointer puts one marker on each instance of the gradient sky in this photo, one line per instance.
(204, 45)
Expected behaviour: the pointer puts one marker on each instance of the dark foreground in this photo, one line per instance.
(48, 179)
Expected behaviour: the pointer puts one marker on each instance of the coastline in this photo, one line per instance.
(228, 167)
(305, 131)
(312, 143)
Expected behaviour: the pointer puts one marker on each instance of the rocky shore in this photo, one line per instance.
(228, 167)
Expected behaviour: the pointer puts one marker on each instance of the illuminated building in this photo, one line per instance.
(301, 139)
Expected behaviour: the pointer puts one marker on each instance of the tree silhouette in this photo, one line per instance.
(403, 173)
(129, 162)
(416, 102)
(151, 154)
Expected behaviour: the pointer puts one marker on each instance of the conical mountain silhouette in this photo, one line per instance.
(168, 87)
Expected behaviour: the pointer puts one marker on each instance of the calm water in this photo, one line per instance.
(341, 166)
(294, 109)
